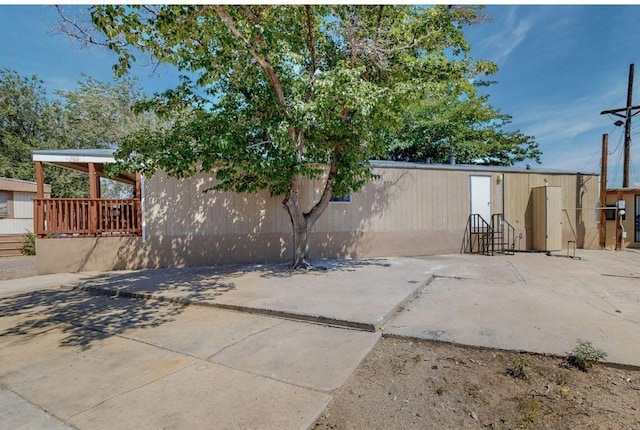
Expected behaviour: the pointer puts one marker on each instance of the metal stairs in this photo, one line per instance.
(482, 237)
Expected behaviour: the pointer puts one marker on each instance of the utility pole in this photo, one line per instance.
(603, 192)
(628, 113)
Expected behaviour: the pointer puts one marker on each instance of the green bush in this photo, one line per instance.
(28, 244)
(585, 355)
(521, 366)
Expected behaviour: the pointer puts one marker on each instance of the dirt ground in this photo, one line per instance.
(17, 267)
(406, 384)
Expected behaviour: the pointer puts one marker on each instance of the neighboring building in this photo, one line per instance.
(629, 235)
(16, 213)
(412, 209)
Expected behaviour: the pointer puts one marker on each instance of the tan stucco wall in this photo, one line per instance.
(406, 212)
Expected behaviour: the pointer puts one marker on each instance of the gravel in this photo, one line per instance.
(17, 267)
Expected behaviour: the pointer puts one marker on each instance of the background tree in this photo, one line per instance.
(100, 114)
(94, 115)
(459, 122)
(277, 94)
(28, 121)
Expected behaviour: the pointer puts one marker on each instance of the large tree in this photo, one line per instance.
(276, 94)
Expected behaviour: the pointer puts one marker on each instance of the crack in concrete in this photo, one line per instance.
(517, 272)
(243, 339)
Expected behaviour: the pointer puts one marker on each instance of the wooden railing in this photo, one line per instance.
(87, 217)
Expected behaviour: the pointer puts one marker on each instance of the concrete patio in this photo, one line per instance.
(265, 347)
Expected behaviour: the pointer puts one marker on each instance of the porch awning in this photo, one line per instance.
(79, 160)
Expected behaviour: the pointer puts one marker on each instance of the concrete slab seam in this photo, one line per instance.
(6, 387)
(190, 365)
(132, 389)
(410, 297)
(337, 322)
(280, 381)
(121, 336)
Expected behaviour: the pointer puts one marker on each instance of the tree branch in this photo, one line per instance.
(276, 85)
(310, 42)
(77, 32)
(327, 192)
(247, 12)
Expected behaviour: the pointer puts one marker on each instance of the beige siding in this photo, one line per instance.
(15, 226)
(20, 214)
(578, 206)
(23, 205)
(407, 211)
(401, 200)
(547, 218)
(182, 208)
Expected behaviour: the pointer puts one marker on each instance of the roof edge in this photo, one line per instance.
(472, 167)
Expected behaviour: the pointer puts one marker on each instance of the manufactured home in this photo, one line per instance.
(16, 213)
(411, 210)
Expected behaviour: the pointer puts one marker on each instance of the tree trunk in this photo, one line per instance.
(301, 246)
(302, 222)
(299, 223)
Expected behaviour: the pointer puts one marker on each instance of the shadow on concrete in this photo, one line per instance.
(191, 284)
(321, 266)
(82, 318)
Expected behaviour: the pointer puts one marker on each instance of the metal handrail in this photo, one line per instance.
(502, 228)
(480, 230)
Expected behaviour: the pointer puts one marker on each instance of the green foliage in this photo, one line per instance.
(26, 119)
(585, 355)
(94, 115)
(28, 244)
(465, 125)
(521, 366)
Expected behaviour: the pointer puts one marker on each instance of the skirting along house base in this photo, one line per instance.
(411, 210)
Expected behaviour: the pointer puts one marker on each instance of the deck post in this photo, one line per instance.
(137, 190)
(94, 188)
(38, 208)
(39, 180)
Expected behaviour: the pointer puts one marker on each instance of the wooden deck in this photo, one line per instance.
(87, 217)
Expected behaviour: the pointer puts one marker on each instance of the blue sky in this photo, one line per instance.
(559, 67)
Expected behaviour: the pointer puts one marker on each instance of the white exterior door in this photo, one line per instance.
(481, 196)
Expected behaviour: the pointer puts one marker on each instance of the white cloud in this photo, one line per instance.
(503, 42)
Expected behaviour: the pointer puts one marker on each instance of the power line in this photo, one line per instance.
(629, 112)
(617, 146)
